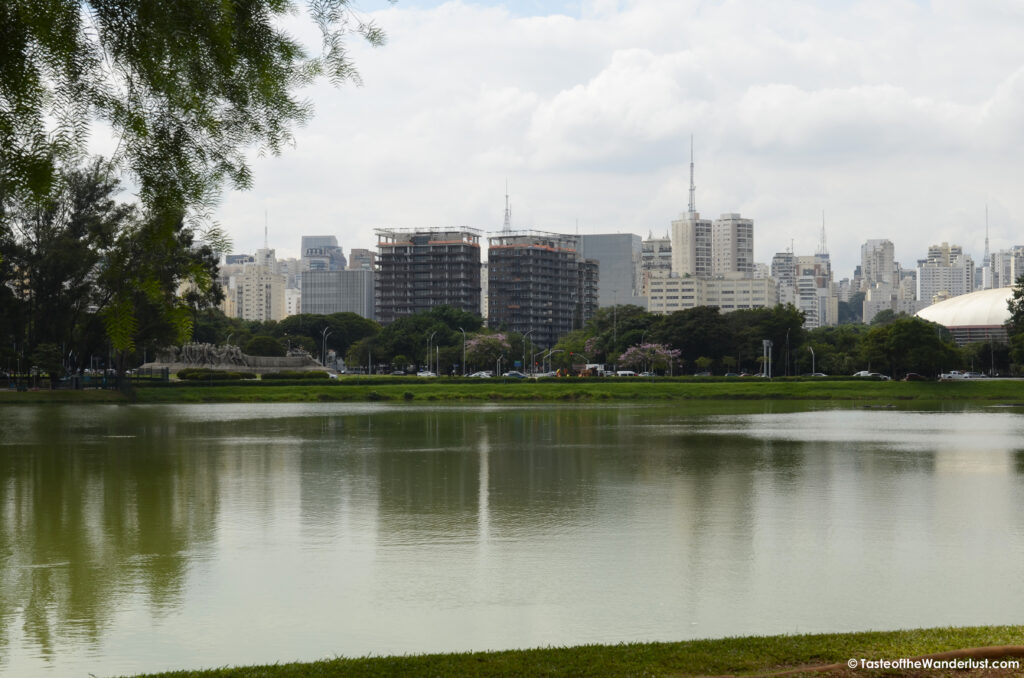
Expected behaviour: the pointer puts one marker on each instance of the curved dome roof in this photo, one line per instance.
(985, 308)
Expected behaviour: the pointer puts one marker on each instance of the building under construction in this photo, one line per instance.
(538, 283)
(418, 269)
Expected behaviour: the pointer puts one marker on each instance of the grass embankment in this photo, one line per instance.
(582, 390)
(567, 390)
(729, 656)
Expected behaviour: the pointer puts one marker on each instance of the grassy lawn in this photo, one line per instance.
(581, 390)
(402, 389)
(729, 656)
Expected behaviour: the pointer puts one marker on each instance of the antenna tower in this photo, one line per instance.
(822, 244)
(985, 261)
(693, 189)
(508, 211)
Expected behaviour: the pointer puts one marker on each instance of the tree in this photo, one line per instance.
(186, 86)
(264, 345)
(1015, 325)
(482, 350)
(648, 356)
(52, 252)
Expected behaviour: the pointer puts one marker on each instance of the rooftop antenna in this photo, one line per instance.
(822, 244)
(693, 189)
(508, 211)
(985, 261)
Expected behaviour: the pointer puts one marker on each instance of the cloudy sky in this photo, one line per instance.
(899, 120)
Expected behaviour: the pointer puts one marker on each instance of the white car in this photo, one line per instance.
(480, 375)
(425, 373)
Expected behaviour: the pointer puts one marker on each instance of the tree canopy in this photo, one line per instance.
(186, 86)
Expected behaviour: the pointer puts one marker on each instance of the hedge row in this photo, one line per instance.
(295, 374)
(207, 374)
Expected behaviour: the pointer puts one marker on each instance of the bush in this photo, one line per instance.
(295, 374)
(207, 374)
(263, 345)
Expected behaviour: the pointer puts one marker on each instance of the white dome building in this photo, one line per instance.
(977, 316)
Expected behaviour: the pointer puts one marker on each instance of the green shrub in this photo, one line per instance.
(408, 395)
(207, 374)
(263, 345)
(295, 374)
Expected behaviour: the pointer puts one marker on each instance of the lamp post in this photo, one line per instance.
(429, 357)
(528, 333)
(324, 333)
(547, 356)
(812, 360)
(463, 351)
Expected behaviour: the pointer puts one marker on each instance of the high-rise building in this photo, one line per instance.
(361, 260)
(618, 256)
(691, 237)
(691, 246)
(877, 263)
(326, 292)
(1007, 266)
(534, 284)
(732, 245)
(418, 269)
(947, 272)
(259, 294)
(655, 259)
(322, 253)
(667, 295)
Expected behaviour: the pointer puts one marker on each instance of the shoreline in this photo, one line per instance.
(1005, 392)
(749, 656)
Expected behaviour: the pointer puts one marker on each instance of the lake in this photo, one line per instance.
(145, 538)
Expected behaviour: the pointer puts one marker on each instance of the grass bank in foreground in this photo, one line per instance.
(568, 390)
(581, 390)
(729, 656)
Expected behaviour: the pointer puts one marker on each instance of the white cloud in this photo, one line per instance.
(900, 119)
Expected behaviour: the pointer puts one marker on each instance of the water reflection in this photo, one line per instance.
(242, 534)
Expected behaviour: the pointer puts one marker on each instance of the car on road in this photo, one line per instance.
(702, 374)
(485, 374)
(515, 374)
(425, 373)
(648, 374)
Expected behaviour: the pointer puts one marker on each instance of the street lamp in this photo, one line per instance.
(323, 345)
(463, 351)
(429, 357)
(547, 356)
(812, 360)
(528, 333)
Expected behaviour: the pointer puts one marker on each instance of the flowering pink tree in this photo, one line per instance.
(651, 356)
(484, 349)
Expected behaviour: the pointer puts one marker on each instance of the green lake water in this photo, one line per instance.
(145, 538)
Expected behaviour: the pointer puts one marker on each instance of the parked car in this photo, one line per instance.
(862, 373)
(648, 374)
(515, 374)
(625, 373)
(425, 373)
(398, 373)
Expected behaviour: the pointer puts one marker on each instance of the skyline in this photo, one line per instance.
(871, 112)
